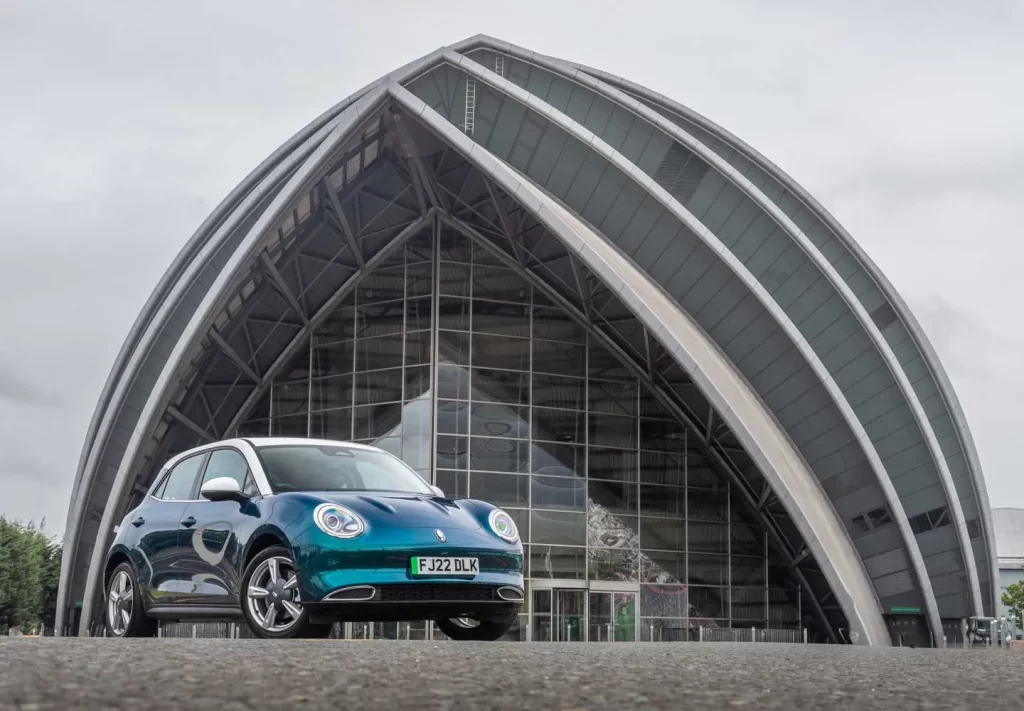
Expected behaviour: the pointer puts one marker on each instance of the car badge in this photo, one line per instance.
(440, 535)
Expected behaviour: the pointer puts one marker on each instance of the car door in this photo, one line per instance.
(159, 542)
(211, 542)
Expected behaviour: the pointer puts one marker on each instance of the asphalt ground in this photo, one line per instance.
(344, 676)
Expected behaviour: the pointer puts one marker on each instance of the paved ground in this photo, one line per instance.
(344, 676)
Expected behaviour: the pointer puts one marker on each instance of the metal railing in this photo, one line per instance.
(752, 634)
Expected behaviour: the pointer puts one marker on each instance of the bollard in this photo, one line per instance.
(652, 633)
(805, 635)
(701, 634)
(568, 633)
(193, 631)
(753, 636)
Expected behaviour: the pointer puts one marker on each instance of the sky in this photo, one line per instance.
(123, 124)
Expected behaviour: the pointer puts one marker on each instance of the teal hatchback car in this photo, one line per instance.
(295, 534)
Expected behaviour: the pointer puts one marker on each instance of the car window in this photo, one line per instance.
(182, 478)
(303, 467)
(227, 463)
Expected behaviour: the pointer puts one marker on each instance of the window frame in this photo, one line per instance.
(158, 490)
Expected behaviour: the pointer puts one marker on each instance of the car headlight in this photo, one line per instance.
(338, 521)
(503, 526)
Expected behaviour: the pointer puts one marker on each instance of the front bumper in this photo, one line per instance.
(369, 578)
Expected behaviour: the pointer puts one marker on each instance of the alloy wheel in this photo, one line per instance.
(273, 595)
(120, 603)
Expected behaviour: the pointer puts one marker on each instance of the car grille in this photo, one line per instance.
(428, 592)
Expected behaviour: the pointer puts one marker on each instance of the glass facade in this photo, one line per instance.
(458, 365)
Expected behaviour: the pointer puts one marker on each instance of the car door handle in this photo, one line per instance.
(138, 521)
(188, 522)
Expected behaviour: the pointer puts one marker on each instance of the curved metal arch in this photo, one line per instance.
(736, 404)
(301, 180)
(740, 270)
(577, 74)
(903, 312)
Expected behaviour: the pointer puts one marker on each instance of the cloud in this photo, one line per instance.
(125, 124)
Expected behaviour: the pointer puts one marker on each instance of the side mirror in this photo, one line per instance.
(437, 491)
(223, 488)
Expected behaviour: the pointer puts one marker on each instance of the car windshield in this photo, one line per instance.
(307, 467)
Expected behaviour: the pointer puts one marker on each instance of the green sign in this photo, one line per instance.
(906, 610)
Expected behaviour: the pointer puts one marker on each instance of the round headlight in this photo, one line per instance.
(503, 526)
(338, 521)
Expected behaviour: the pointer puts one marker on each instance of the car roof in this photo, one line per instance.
(278, 441)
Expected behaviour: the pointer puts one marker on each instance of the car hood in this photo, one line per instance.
(405, 510)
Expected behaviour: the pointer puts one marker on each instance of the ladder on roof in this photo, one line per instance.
(499, 65)
(470, 105)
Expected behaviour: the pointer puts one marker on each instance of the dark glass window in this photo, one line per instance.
(501, 386)
(182, 479)
(557, 459)
(499, 284)
(556, 325)
(559, 358)
(378, 386)
(558, 528)
(559, 425)
(226, 463)
(501, 352)
(559, 492)
(454, 279)
(611, 464)
(499, 420)
(453, 314)
(500, 455)
(452, 417)
(453, 484)
(452, 382)
(556, 391)
(380, 352)
(614, 496)
(500, 489)
(547, 561)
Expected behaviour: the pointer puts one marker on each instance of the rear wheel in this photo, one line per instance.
(270, 598)
(125, 616)
(465, 629)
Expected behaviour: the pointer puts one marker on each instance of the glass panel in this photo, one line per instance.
(559, 562)
(332, 392)
(384, 284)
(614, 497)
(417, 382)
(709, 569)
(613, 564)
(707, 537)
(662, 534)
(662, 436)
(380, 352)
(662, 567)
(290, 398)
(453, 314)
(614, 398)
(558, 528)
(456, 247)
(498, 284)
(748, 570)
(558, 492)
(501, 319)
(379, 319)
(556, 391)
(453, 347)
(604, 365)
(606, 530)
(708, 505)
(559, 425)
(452, 452)
(419, 279)
(500, 489)
(662, 468)
(568, 618)
(611, 464)
(501, 352)
(418, 348)
(709, 602)
(497, 420)
(452, 417)
(453, 484)
(332, 424)
(541, 627)
(290, 426)
(500, 455)
(454, 279)
(376, 421)
(452, 382)
(417, 314)
(501, 386)
(378, 386)
(556, 325)
(663, 601)
(559, 358)
(557, 459)
(612, 431)
(665, 501)
(416, 418)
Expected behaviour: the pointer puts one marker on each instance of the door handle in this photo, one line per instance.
(188, 522)
(138, 521)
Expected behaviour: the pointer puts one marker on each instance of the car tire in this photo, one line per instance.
(482, 631)
(256, 607)
(125, 615)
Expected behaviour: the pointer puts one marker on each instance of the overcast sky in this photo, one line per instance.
(123, 125)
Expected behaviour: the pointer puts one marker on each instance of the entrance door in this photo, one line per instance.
(612, 617)
(558, 615)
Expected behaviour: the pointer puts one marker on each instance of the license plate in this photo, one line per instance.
(434, 565)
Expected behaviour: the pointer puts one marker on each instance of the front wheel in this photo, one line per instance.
(270, 597)
(464, 629)
(125, 616)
